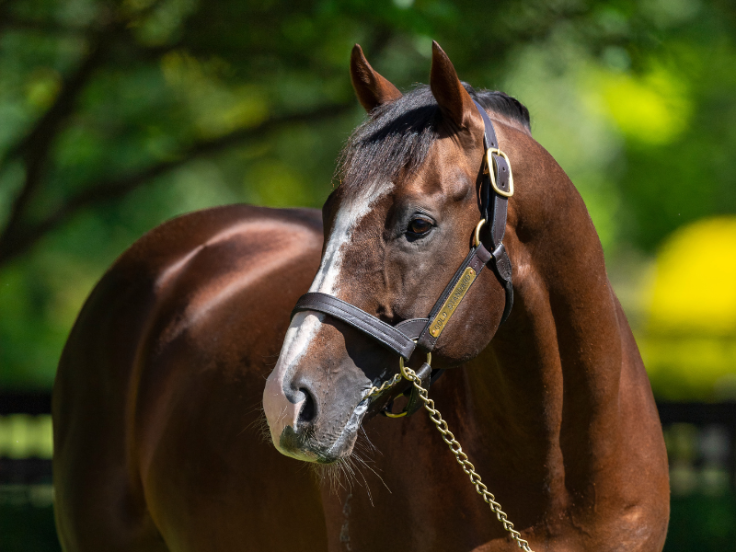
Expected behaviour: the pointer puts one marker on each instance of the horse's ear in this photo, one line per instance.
(452, 98)
(370, 87)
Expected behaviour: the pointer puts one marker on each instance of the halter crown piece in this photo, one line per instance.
(496, 188)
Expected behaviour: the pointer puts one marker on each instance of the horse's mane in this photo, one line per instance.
(397, 136)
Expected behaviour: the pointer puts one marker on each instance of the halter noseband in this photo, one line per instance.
(496, 188)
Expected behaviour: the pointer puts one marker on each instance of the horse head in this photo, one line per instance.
(396, 229)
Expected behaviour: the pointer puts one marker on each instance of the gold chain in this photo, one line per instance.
(462, 458)
(385, 385)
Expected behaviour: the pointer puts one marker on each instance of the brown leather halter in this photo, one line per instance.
(496, 183)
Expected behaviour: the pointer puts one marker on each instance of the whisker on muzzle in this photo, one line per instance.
(260, 426)
(349, 471)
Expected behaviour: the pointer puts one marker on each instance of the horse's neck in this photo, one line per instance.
(547, 386)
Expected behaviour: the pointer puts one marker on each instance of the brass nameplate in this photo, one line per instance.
(452, 301)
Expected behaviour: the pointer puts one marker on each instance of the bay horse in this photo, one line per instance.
(157, 401)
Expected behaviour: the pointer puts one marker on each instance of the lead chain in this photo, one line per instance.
(385, 385)
(462, 459)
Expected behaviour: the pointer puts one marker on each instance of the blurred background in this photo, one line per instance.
(115, 116)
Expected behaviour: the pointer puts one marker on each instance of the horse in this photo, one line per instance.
(187, 343)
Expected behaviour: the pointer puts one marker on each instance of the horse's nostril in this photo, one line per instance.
(309, 409)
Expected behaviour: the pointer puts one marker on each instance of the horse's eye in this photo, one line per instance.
(419, 226)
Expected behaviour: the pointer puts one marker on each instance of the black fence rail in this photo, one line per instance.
(32, 404)
(700, 437)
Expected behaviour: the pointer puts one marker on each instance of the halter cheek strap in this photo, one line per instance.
(497, 186)
(501, 188)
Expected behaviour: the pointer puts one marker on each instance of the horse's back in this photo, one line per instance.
(157, 398)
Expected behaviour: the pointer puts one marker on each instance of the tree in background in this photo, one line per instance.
(115, 116)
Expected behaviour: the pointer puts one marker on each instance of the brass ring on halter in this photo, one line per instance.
(402, 368)
(476, 239)
(387, 411)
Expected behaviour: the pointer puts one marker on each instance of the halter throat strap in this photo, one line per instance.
(496, 187)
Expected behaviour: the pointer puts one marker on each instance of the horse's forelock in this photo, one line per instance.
(397, 136)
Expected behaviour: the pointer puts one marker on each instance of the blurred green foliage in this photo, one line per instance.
(702, 523)
(115, 116)
(24, 436)
(28, 528)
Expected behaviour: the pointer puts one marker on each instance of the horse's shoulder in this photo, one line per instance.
(187, 266)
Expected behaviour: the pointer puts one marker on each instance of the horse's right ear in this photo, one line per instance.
(370, 87)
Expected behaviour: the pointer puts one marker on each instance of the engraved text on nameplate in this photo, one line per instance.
(452, 301)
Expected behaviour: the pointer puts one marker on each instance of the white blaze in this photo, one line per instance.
(280, 411)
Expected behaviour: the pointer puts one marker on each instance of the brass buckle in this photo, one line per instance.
(490, 164)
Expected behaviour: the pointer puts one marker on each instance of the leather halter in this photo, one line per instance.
(495, 189)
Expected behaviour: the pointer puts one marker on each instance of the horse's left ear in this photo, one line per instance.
(454, 101)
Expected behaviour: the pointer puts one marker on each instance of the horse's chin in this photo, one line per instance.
(310, 446)
(312, 451)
